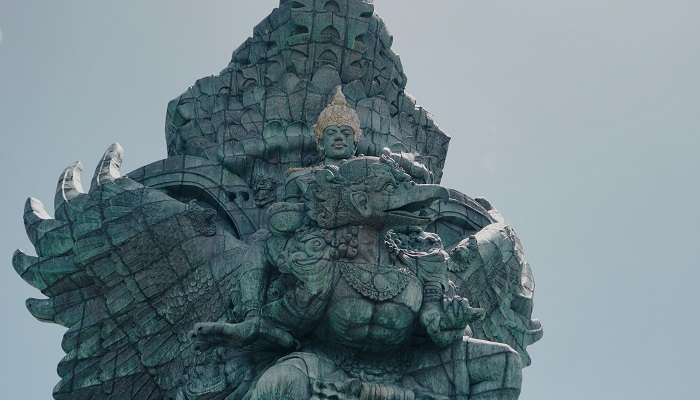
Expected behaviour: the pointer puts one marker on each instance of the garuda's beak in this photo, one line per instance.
(415, 200)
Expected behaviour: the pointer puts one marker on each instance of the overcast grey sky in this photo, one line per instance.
(578, 119)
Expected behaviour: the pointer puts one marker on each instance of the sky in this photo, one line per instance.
(579, 120)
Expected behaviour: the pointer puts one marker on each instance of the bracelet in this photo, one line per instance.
(432, 292)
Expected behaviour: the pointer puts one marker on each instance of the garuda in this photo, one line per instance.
(346, 292)
(268, 258)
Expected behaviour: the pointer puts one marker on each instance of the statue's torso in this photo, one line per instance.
(376, 316)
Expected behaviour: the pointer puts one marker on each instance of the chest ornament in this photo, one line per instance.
(376, 282)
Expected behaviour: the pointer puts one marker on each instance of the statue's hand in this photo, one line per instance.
(458, 314)
(431, 318)
(253, 333)
(418, 171)
(447, 323)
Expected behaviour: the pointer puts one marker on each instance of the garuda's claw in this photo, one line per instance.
(34, 212)
(43, 273)
(50, 237)
(43, 309)
(23, 264)
(109, 167)
(69, 185)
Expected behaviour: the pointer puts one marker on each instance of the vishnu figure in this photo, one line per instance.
(348, 278)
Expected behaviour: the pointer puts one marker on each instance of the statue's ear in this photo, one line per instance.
(360, 201)
(286, 217)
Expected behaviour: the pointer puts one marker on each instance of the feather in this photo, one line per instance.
(128, 270)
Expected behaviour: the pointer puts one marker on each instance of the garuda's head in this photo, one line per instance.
(369, 191)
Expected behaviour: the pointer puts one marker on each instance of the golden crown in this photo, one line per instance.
(338, 113)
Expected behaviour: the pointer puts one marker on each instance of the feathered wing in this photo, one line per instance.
(129, 270)
(489, 269)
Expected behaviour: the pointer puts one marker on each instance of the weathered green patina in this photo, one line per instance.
(296, 243)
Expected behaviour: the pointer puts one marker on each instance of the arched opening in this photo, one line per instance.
(330, 34)
(328, 57)
(360, 43)
(300, 30)
(332, 6)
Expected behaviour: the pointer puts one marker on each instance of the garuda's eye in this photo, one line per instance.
(316, 244)
(389, 187)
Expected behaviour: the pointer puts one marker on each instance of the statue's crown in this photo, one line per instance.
(339, 113)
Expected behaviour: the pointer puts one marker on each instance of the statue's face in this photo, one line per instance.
(338, 142)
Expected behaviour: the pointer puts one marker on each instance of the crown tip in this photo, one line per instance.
(339, 97)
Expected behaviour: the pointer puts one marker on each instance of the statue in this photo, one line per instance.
(264, 259)
(364, 292)
(338, 134)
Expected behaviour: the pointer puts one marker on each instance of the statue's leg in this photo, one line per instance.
(299, 376)
(286, 380)
(495, 371)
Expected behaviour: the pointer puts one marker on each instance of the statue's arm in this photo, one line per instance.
(254, 278)
(277, 324)
(444, 319)
(298, 311)
(419, 172)
(432, 272)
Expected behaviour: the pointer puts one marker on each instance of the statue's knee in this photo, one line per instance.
(513, 370)
(288, 380)
(494, 368)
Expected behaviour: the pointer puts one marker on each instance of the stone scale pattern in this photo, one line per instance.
(258, 114)
(211, 238)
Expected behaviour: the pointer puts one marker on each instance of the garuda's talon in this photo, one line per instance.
(109, 167)
(69, 185)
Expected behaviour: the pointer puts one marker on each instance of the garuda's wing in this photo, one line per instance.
(489, 269)
(129, 270)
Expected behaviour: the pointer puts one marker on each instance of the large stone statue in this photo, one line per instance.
(295, 244)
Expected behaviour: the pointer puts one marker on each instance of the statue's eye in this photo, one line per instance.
(331, 131)
(347, 132)
(389, 187)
